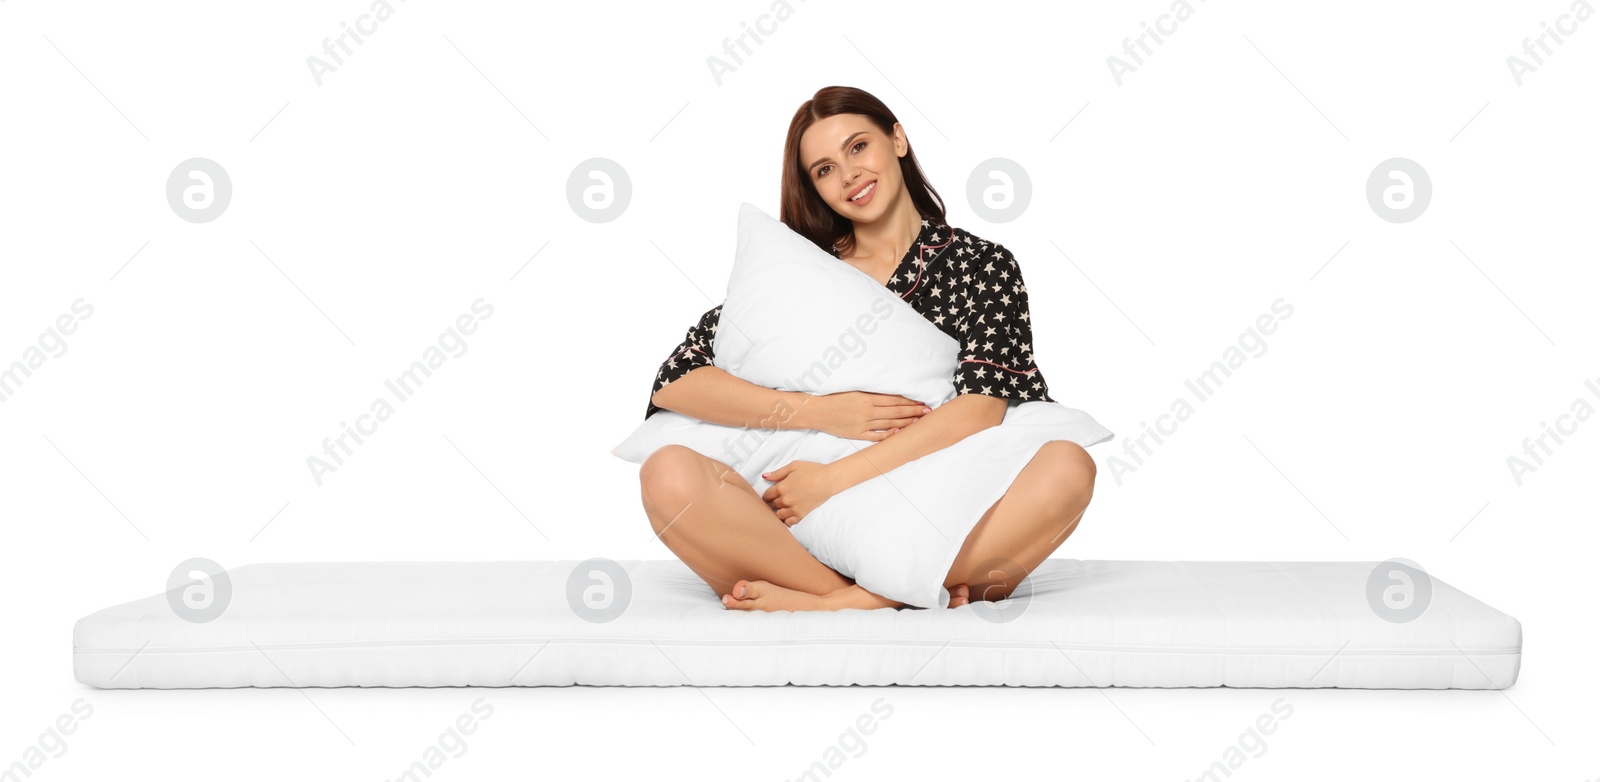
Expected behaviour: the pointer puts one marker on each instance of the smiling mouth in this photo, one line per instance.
(864, 192)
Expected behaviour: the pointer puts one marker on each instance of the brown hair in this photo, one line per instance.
(803, 210)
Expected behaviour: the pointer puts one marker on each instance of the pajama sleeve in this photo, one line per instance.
(694, 352)
(995, 331)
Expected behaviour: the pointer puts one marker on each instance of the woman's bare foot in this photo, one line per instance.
(764, 596)
(958, 595)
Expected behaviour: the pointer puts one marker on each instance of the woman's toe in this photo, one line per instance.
(744, 594)
(958, 595)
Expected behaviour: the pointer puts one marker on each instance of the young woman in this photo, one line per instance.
(852, 185)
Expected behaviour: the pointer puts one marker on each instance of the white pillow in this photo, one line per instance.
(798, 319)
(795, 318)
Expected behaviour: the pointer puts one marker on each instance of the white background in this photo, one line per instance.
(427, 170)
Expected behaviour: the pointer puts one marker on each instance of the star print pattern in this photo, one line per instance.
(970, 288)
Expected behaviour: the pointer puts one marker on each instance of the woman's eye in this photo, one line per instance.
(859, 144)
(821, 172)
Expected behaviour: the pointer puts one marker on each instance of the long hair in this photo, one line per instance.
(803, 210)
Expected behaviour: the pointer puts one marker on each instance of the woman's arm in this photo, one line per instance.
(710, 394)
(947, 425)
(690, 384)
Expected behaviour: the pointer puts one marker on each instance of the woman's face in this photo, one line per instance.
(846, 155)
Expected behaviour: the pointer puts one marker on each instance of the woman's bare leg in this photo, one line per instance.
(1036, 515)
(717, 523)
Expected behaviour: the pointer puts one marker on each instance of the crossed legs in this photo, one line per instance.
(716, 522)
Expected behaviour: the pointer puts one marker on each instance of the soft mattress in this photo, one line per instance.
(1076, 623)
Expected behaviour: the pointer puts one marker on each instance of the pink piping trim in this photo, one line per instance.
(922, 264)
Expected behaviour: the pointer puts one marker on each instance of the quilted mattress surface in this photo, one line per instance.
(1083, 623)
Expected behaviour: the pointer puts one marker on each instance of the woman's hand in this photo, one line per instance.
(862, 415)
(799, 487)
